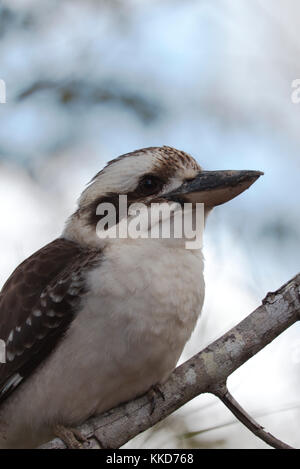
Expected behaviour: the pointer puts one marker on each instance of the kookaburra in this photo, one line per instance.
(90, 323)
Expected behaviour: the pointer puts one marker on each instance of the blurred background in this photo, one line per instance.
(88, 80)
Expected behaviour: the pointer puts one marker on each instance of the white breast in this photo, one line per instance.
(145, 298)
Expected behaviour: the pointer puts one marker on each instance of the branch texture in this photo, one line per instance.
(206, 372)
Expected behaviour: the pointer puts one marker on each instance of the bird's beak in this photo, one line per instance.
(214, 187)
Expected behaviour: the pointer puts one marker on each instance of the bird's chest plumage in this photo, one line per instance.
(146, 299)
(149, 289)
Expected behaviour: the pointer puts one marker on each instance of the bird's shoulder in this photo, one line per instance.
(38, 303)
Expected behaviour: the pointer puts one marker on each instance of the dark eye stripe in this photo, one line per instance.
(149, 184)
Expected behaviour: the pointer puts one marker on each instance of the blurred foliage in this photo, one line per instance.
(85, 93)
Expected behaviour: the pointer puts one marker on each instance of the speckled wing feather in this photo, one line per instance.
(37, 304)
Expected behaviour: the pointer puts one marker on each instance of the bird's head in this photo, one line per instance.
(155, 174)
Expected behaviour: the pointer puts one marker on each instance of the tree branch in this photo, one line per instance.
(248, 421)
(206, 372)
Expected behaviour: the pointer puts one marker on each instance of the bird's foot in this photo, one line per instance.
(72, 438)
(152, 394)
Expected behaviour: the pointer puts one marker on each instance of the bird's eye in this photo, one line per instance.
(149, 185)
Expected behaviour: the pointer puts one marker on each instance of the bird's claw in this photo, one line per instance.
(72, 438)
(152, 394)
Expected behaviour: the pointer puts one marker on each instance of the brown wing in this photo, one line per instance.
(37, 304)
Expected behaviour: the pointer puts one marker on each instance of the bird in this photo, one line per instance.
(91, 322)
